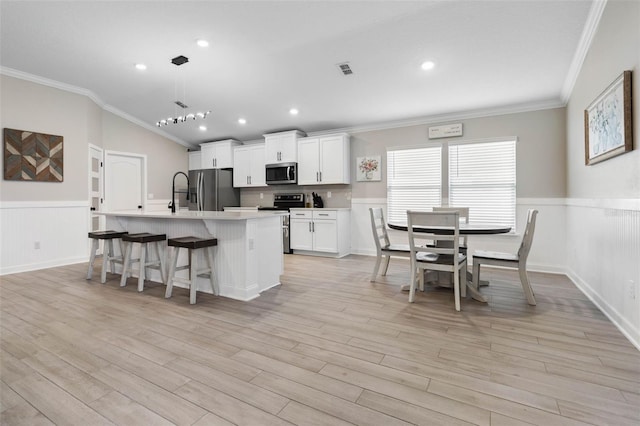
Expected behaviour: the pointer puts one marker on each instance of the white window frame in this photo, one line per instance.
(445, 187)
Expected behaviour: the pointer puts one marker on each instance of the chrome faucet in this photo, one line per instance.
(172, 206)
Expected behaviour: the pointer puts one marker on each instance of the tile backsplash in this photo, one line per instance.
(340, 194)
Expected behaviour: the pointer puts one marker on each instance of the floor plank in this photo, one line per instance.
(327, 347)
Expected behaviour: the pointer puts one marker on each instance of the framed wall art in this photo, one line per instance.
(369, 169)
(30, 156)
(608, 122)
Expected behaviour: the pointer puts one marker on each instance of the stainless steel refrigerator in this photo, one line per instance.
(212, 190)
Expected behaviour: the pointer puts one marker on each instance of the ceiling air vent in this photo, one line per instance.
(345, 68)
(181, 105)
(179, 60)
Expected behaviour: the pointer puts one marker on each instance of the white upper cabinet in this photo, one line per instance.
(195, 160)
(218, 155)
(282, 147)
(248, 166)
(324, 160)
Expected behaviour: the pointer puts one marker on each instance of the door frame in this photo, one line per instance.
(143, 173)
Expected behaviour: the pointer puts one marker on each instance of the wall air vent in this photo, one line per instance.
(181, 105)
(345, 68)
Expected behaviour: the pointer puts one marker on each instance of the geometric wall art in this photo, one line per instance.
(30, 156)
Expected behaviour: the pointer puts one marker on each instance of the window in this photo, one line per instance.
(480, 175)
(414, 181)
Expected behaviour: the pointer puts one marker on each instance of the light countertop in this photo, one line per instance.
(190, 214)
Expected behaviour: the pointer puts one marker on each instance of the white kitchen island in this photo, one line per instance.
(248, 258)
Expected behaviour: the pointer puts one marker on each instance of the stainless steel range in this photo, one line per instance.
(284, 202)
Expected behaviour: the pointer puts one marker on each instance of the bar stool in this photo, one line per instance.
(143, 239)
(191, 243)
(108, 256)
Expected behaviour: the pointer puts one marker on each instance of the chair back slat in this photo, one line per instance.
(527, 238)
(379, 228)
(447, 225)
(464, 216)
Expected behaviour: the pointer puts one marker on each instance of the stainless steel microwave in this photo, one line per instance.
(282, 173)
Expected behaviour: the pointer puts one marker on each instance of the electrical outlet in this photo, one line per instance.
(328, 194)
(149, 196)
(36, 245)
(261, 196)
(632, 290)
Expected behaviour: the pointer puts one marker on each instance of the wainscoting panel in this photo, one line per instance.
(547, 253)
(37, 235)
(603, 258)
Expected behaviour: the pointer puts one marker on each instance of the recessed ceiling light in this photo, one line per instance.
(242, 121)
(202, 43)
(293, 111)
(141, 67)
(428, 65)
(202, 128)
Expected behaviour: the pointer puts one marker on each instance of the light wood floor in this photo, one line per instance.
(327, 347)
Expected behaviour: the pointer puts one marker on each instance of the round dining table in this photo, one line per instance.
(464, 229)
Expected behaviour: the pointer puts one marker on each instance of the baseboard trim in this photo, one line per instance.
(621, 323)
(43, 265)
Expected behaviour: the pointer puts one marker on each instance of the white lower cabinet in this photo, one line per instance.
(322, 232)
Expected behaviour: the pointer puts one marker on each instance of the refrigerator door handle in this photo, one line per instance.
(199, 189)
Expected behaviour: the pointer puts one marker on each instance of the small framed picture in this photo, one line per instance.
(607, 122)
(369, 169)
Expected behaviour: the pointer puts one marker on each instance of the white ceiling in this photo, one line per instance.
(265, 57)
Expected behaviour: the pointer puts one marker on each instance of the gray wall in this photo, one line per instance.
(35, 107)
(615, 48)
(540, 149)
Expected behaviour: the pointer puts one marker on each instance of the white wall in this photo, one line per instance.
(603, 207)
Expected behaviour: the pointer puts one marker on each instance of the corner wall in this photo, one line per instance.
(603, 206)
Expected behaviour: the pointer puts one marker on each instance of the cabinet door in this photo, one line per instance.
(301, 236)
(325, 236)
(224, 156)
(281, 149)
(241, 167)
(256, 167)
(195, 160)
(208, 155)
(308, 161)
(289, 149)
(273, 147)
(332, 161)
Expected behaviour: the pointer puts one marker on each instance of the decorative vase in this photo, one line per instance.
(368, 175)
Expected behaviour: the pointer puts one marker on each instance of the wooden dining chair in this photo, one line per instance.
(436, 258)
(464, 216)
(517, 261)
(383, 245)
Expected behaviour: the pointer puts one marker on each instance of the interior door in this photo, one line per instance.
(124, 181)
(96, 222)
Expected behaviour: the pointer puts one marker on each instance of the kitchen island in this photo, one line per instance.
(247, 260)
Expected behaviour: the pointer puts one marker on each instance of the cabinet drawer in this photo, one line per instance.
(300, 214)
(325, 214)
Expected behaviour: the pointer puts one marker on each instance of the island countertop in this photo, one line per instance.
(199, 215)
(248, 258)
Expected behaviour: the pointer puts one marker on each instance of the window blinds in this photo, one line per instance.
(414, 181)
(482, 176)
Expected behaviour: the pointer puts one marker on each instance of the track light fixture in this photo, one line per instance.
(177, 61)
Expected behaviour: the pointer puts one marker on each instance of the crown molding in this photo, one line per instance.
(588, 33)
(95, 98)
(442, 118)
(416, 121)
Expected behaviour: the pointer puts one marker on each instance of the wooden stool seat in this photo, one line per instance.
(143, 239)
(108, 255)
(191, 243)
